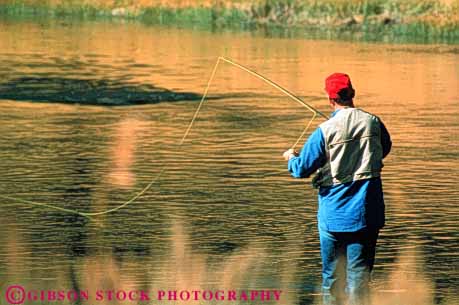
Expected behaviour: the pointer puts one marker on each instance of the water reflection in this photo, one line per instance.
(114, 92)
(127, 133)
(225, 212)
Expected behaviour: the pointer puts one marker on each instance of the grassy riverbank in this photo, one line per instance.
(421, 21)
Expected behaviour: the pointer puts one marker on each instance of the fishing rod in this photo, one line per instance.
(270, 82)
(89, 215)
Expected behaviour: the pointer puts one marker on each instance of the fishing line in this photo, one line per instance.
(185, 135)
(304, 131)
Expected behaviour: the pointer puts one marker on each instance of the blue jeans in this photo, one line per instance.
(347, 261)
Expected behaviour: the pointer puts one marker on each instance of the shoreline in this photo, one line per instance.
(373, 20)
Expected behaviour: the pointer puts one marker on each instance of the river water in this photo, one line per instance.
(90, 113)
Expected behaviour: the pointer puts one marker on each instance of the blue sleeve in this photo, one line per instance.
(385, 140)
(311, 157)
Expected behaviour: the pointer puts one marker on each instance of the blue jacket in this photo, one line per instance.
(347, 207)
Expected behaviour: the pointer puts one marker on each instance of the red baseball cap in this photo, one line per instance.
(335, 83)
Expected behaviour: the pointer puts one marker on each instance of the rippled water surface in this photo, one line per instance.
(90, 113)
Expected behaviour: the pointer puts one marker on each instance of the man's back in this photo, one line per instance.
(353, 147)
(346, 151)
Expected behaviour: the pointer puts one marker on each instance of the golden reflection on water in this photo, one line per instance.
(243, 218)
(123, 152)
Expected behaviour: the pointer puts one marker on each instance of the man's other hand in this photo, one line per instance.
(290, 153)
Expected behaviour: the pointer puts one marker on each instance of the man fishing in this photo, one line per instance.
(347, 152)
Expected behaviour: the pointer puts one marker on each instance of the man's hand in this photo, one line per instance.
(288, 154)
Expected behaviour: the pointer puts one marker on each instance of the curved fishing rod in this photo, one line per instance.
(270, 82)
(149, 185)
(277, 86)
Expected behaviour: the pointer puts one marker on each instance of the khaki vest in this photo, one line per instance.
(353, 148)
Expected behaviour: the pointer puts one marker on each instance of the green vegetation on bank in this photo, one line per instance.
(391, 20)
